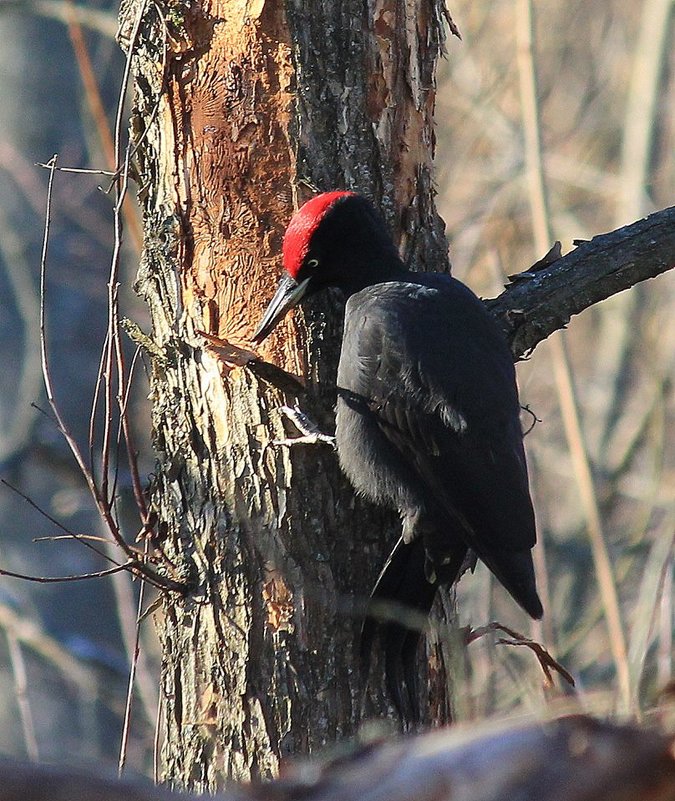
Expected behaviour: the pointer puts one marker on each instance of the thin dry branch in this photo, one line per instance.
(543, 301)
(99, 497)
(546, 661)
(135, 654)
(112, 356)
(84, 539)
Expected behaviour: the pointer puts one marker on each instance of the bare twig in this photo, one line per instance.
(546, 661)
(107, 382)
(99, 495)
(127, 431)
(85, 537)
(128, 610)
(533, 418)
(78, 170)
(94, 406)
(114, 350)
(130, 565)
(85, 540)
(100, 499)
(130, 687)
(157, 739)
(46, 374)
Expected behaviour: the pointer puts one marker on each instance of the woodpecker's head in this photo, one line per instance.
(336, 239)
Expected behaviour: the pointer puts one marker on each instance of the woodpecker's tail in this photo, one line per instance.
(399, 605)
(515, 571)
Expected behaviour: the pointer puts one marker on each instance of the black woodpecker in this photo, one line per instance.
(428, 417)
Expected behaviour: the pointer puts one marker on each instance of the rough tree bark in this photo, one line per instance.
(238, 106)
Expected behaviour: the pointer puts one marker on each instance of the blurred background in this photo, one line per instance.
(602, 456)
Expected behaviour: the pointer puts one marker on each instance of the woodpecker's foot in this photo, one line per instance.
(310, 432)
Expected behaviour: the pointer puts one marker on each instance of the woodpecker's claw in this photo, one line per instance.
(309, 430)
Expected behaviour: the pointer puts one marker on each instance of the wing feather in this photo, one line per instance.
(437, 375)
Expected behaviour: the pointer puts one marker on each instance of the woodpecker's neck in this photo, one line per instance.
(357, 273)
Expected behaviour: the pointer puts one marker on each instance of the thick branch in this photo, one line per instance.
(542, 300)
(572, 759)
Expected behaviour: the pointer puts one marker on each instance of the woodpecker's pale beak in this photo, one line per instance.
(289, 293)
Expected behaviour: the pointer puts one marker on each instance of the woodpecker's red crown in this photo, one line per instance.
(302, 227)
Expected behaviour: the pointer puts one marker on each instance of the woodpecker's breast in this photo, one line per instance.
(370, 463)
(367, 457)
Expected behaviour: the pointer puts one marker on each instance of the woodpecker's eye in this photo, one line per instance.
(313, 263)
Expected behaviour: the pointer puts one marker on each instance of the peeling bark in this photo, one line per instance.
(238, 105)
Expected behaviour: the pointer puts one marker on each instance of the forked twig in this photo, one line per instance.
(546, 661)
(68, 533)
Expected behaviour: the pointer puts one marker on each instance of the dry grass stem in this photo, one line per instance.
(542, 237)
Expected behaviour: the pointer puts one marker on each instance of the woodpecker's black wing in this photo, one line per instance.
(428, 368)
(438, 379)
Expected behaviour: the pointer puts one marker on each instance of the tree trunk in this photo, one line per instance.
(239, 107)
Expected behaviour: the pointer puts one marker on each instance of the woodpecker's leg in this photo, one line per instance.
(310, 432)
